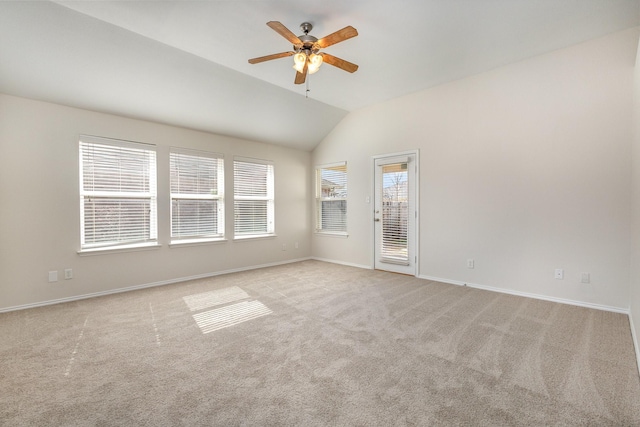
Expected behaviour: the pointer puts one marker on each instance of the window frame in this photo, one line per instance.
(219, 197)
(320, 200)
(269, 198)
(86, 142)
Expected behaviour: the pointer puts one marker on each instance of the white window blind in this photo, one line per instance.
(253, 201)
(197, 195)
(395, 211)
(331, 198)
(118, 196)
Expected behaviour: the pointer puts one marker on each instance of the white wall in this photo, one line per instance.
(39, 210)
(635, 228)
(525, 169)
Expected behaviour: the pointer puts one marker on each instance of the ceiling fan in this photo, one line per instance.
(307, 57)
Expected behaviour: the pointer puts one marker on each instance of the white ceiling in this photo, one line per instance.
(185, 62)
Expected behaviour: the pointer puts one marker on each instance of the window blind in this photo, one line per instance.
(331, 198)
(395, 211)
(197, 195)
(253, 198)
(117, 192)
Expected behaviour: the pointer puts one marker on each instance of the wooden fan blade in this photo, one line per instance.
(340, 63)
(270, 57)
(337, 37)
(284, 32)
(301, 77)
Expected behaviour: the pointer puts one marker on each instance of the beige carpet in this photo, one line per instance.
(316, 344)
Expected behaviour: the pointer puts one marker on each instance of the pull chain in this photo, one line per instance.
(306, 94)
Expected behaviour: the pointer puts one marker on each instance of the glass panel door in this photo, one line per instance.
(395, 214)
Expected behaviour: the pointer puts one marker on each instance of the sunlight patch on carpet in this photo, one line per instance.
(75, 349)
(230, 315)
(211, 299)
(155, 325)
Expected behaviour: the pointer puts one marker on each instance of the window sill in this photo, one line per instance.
(340, 234)
(195, 242)
(254, 237)
(119, 249)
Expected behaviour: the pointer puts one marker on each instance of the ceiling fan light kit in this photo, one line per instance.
(307, 57)
(313, 62)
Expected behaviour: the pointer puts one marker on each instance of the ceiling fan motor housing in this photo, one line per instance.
(308, 41)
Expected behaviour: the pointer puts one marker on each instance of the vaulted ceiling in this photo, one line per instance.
(185, 62)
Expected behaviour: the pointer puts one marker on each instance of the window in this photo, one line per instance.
(197, 195)
(118, 197)
(253, 202)
(331, 198)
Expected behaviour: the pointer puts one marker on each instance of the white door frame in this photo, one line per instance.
(414, 193)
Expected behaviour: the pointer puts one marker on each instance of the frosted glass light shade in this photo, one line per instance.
(315, 61)
(299, 60)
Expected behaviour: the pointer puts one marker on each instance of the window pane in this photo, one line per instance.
(253, 198)
(251, 217)
(395, 209)
(113, 220)
(331, 198)
(117, 192)
(115, 169)
(334, 215)
(251, 179)
(197, 187)
(193, 174)
(334, 182)
(194, 218)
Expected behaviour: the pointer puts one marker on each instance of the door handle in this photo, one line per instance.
(376, 219)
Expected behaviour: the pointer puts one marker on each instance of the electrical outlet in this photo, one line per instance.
(585, 278)
(296, 245)
(470, 263)
(284, 246)
(68, 274)
(53, 276)
(559, 274)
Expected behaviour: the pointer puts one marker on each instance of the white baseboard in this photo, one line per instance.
(634, 337)
(147, 285)
(530, 295)
(348, 264)
(439, 279)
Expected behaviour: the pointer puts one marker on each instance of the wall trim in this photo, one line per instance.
(531, 295)
(634, 337)
(348, 264)
(146, 285)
